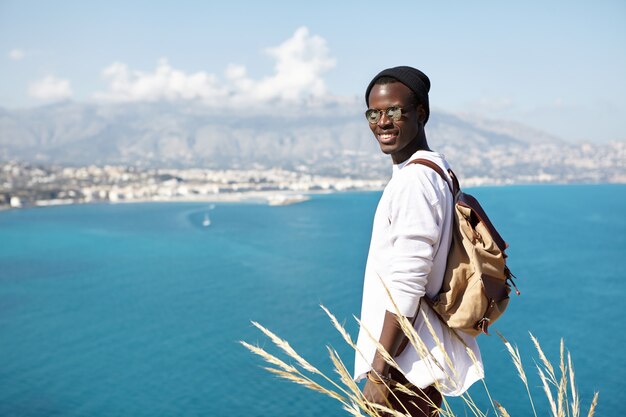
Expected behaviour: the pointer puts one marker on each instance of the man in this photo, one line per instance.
(411, 236)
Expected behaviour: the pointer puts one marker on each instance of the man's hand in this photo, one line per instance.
(375, 393)
(390, 340)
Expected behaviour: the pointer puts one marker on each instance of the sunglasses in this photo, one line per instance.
(394, 113)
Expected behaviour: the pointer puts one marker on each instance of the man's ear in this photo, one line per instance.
(421, 114)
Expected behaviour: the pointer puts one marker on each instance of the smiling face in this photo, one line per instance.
(401, 138)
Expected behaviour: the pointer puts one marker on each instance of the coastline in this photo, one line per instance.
(271, 198)
(266, 197)
(23, 185)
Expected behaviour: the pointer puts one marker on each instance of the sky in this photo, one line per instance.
(558, 66)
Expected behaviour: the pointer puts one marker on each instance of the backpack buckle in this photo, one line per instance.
(483, 325)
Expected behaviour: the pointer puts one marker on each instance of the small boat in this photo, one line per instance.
(283, 199)
(206, 222)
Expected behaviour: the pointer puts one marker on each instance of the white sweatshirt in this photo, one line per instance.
(411, 237)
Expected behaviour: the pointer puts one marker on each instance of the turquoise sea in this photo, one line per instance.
(137, 309)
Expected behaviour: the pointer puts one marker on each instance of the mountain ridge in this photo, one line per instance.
(332, 140)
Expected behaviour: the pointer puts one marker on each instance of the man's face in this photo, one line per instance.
(395, 137)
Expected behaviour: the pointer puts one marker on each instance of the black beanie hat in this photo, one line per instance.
(413, 78)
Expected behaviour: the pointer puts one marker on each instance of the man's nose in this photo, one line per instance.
(384, 120)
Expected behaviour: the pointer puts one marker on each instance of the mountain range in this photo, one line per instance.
(330, 141)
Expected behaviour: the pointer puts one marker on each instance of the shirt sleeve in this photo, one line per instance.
(415, 230)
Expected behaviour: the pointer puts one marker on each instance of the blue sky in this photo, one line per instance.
(559, 66)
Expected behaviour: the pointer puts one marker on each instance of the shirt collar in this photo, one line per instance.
(418, 154)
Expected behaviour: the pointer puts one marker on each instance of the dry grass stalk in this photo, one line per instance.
(341, 370)
(379, 348)
(347, 391)
(517, 362)
(405, 390)
(516, 357)
(594, 403)
(286, 371)
(564, 405)
(474, 360)
(502, 410)
(544, 360)
(270, 358)
(334, 357)
(349, 341)
(473, 407)
(438, 342)
(414, 339)
(350, 396)
(575, 402)
(418, 344)
(307, 382)
(546, 388)
(342, 331)
(562, 388)
(445, 410)
(378, 408)
(353, 409)
(471, 355)
(284, 345)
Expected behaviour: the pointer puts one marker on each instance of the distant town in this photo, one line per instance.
(28, 185)
(75, 153)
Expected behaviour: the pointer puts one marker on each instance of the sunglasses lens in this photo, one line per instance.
(394, 113)
(372, 115)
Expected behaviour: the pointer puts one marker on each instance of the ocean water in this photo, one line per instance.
(137, 309)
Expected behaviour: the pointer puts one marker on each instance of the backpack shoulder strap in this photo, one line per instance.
(454, 187)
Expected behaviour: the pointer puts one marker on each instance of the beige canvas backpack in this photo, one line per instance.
(477, 281)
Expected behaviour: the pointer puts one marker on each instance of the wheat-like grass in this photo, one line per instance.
(353, 409)
(379, 348)
(546, 388)
(562, 388)
(575, 402)
(516, 357)
(409, 331)
(284, 370)
(544, 359)
(418, 344)
(473, 407)
(307, 382)
(342, 331)
(388, 411)
(565, 384)
(349, 341)
(341, 370)
(594, 403)
(517, 362)
(502, 410)
(349, 395)
(347, 392)
(438, 343)
(284, 345)
(270, 358)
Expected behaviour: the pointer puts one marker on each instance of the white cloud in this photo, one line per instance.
(16, 54)
(165, 83)
(50, 88)
(300, 64)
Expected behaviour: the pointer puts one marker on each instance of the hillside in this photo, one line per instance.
(329, 142)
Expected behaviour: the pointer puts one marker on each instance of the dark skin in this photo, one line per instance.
(399, 139)
(403, 138)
